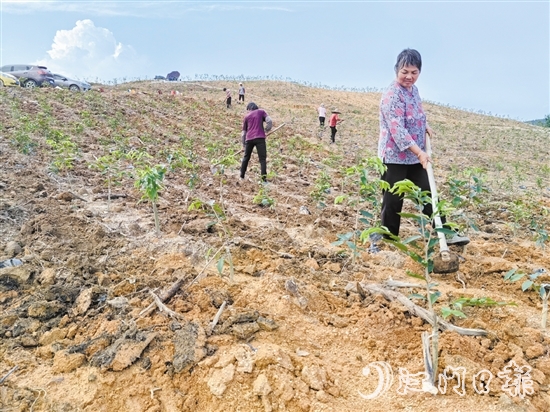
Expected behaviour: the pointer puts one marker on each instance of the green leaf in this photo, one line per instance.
(411, 239)
(516, 277)
(445, 230)
(508, 274)
(220, 265)
(416, 296)
(351, 245)
(415, 275)
(434, 296)
(526, 285)
(366, 214)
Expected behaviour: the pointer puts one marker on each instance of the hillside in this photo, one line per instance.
(79, 327)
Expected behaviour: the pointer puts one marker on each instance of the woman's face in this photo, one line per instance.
(407, 76)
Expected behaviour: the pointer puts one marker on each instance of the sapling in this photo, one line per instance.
(149, 182)
(513, 275)
(421, 248)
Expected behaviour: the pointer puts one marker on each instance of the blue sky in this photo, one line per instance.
(492, 56)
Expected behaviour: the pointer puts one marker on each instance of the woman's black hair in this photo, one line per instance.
(252, 106)
(408, 57)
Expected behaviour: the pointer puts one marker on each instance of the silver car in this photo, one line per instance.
(71, 84)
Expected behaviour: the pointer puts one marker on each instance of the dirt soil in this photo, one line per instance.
(79, 329)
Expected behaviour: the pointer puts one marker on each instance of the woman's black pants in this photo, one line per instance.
(392, 204)
(333, 133)
(262, 155)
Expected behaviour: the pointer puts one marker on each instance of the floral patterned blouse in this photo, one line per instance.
(402, 125)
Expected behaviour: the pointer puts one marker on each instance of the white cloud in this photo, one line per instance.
(89, 52)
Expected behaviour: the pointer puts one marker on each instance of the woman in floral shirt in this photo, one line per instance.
(402, 144)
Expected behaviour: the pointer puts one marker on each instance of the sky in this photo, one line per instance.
(488, 56)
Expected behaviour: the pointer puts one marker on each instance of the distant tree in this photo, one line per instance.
(546, 122)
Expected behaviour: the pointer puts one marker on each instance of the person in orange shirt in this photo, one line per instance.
(334, 120)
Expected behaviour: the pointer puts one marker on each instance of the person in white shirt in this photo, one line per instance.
(322, 114)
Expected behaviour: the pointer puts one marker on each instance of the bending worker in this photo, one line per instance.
(253, 135)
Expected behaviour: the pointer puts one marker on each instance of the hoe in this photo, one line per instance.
(446, 262)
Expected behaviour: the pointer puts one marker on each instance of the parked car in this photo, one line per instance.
(7, 79)
(29, 75)
(71, 84)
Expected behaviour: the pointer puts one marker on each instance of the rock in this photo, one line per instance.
(334, 267)
(338, 321)
(544, 365)
(245, 363)
(303, 210)
(261, 386)
(47, 277)
(225, 359)
(12, 249)
(312, 263)
(323, 397)
(64, 362)
(198, 226)
(28, 342)
(266, 324)
(52, 336)
(83, 302)
(314, 376)
(129, 352)
(119, 302)
(244, 330)
(220, 379)
(24, 326)
(270, 354)
(45, 310)
(13, 277)
(535, 351)
(189, 344)
(492, 264)
(65, 196)
(249, 270)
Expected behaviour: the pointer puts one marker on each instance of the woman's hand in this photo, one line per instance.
(430, 132)
(424, 159)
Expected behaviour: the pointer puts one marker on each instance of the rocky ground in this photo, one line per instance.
(267, 314)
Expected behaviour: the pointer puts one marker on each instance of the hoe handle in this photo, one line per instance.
(443, 248)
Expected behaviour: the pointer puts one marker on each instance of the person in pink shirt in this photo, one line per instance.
(334, 120)
(402, 141)
(227, 97)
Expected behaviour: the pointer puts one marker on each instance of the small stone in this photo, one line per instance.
(266, 324)
(323, 397)
(544, 365)
(44, 310)
(52, 336)
(333, 267)
(244, 330)
(314, 376)
(12, 249)
(28, 342)
(47, 277)
(220, 379)
(245, 362)
(224, 360)
(535, 351)
(83, 302)
(261, 386)
(64, 362)
(312, 263)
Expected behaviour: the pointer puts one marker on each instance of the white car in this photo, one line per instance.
(71, 84)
